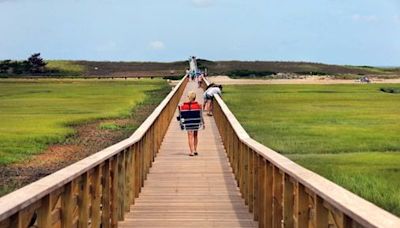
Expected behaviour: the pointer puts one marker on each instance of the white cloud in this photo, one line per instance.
(157, 45)
(364, 18)
(202, 3)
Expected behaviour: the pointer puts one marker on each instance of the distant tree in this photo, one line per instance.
(36, 64)
(5, 66)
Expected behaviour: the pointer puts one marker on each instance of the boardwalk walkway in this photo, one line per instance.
(183, 191)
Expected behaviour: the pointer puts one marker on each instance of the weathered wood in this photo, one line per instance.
(288, 202)
(44, 212)
(320, 218)
(68, 205)
(301, 208)
(84, 202)
(106, 196)
(261, 191)
(251, 180)
(97, 190)
(114, 191)
(199, 189)
(277, 197)
(256, 187)
(268, 194)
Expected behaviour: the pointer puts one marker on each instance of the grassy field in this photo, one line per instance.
(35, 113)
(348, 133)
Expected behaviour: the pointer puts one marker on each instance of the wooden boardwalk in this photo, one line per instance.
(183, 191)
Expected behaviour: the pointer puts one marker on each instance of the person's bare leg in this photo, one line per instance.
(209, 107)
(195, 141)
(191, 142)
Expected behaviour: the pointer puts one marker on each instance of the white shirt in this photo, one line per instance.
(212, 91)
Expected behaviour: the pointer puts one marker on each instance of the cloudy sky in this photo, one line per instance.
(357, 32)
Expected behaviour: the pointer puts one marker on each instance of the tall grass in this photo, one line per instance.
(347, 133)
(34, 114)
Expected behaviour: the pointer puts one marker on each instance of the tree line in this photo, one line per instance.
(33, 65)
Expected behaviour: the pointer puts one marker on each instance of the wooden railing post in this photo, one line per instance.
(84, 201)
(288, 202)
(277, 197)
(261, 191)
(68, 205)
(114, 191)
(106, 197)
(121, 186)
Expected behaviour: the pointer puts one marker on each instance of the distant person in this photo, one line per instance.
(208, 95)
(194, 124)
(200, 80)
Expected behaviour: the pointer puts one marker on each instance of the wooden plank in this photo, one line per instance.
(268, 194)
(288, 202)
(121, 186)
(261, 191)
(251, 180)
(277, 197)
(114, 191)
(180, 188)
(301, 206)
(68, 205)
(255, 187)
(84, 202)
(44, 213)
(106, 196)
(97, 190)
(128, 178)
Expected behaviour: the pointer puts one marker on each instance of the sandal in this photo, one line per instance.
(191, 155)
(195, 153)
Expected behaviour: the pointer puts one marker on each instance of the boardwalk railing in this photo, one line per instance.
(281, 193)
(98, 190)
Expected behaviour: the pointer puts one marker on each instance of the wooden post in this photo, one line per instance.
(114, 191)
(106, 213)
(251, 180)
(121, 186)
(288, 202)
(301, 206)
(96, 219)
(277, 196)
(44, 213)
(68, 205)
(320, 218)
(84, 201)
(268, 194)
(245, 184)
(128, 178)
(255, 187)
(261, 191)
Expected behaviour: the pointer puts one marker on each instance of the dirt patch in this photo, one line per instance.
(89, 138)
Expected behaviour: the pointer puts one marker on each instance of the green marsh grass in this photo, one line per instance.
(348, 133)
(36, 113)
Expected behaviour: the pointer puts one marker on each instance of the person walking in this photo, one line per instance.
(192, 132)
(208, 95)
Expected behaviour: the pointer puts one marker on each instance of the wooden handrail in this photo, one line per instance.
(282, 193)
(100, 187)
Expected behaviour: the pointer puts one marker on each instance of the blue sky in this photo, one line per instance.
(357, 32)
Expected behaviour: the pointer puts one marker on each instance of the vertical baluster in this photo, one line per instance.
(105, 201)
(114, 191)
(96, 220)
(68, 204)
(251, 180)
(261, 191)
(301, 206)
(288, 201)
(320, 218)
(278, 194)
(84, 201)
(44, 212)
(256, 186)
(121, 186)
(268, 195)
